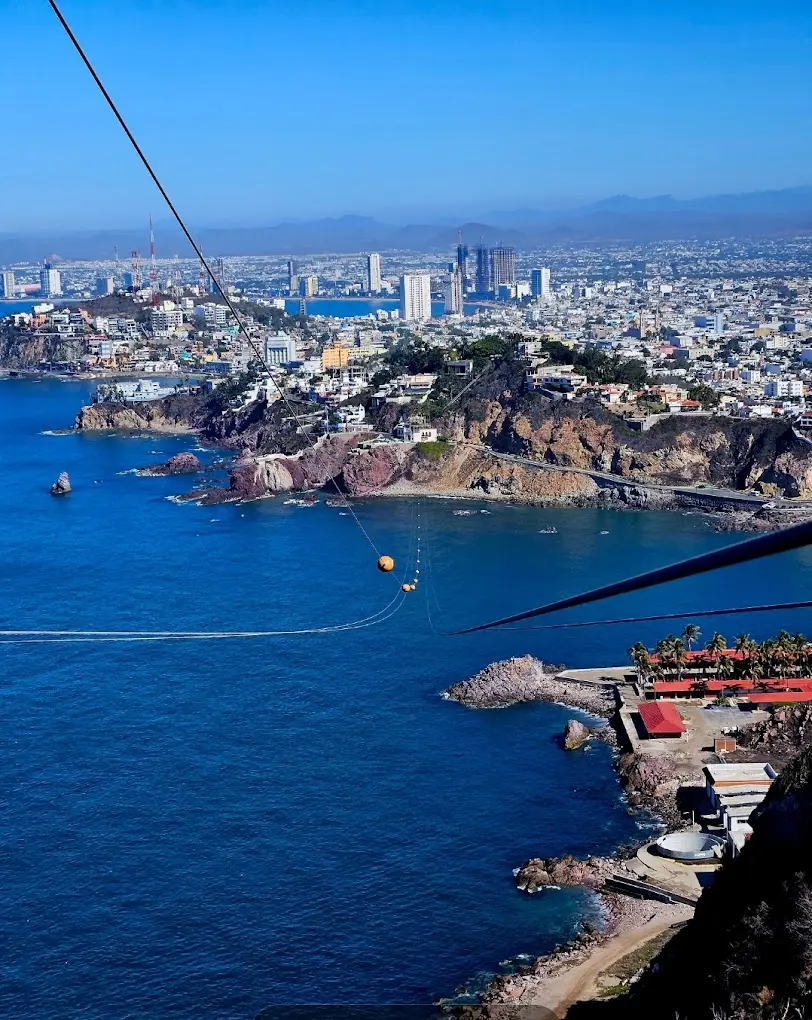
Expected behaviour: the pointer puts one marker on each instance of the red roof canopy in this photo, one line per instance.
(661, 719)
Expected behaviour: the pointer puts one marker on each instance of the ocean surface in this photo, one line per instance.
(202, 829)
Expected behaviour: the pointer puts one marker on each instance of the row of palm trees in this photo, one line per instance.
(786, 655)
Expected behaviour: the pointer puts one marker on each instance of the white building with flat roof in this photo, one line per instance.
(415, 297)
(374, 273)
(7, 283)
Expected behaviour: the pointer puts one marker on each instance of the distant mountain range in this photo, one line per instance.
(785, 213)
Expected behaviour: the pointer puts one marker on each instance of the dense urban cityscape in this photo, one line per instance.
(630, 327)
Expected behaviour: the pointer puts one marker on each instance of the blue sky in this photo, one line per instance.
(253, 111)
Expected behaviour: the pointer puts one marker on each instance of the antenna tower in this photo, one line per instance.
(153, 266)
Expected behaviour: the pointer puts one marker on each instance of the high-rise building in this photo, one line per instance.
(503, 268)
(50, 281)
(218, 271)
(482, 280)
(105, 285)
(462, 264)
(293, 277)
(374, 273)
(415, 297)
(454, 292)
(540, 282)
(7, 283)
(308, 286)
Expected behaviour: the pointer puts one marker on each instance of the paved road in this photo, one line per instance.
(746, 499)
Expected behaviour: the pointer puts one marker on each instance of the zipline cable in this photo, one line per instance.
(29, 637)
(198, 252)
(740, 552)
(687, 615)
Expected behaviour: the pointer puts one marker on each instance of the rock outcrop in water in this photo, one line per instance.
(539, 873)
(575, 735)
(175, 414)
(180, 464)
(61, 486)
(527, 679)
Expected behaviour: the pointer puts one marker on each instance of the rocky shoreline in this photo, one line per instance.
(649, 785)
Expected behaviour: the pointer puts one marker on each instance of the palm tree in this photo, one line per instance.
(724, 668)
(691, 635)
(743, 642)
(800, 646)
(664, 650)
(638, 653)
(716, 646)
(680, 655)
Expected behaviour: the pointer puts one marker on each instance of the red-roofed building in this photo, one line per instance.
(661, 719)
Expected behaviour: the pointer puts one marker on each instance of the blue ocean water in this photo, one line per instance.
(204, 829)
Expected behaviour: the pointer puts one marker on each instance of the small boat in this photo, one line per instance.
(334, 502)
(300, 502)
(604, 532)
(548, 531)
(484, 511)
(463, 513)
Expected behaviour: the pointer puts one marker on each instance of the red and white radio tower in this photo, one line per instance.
(153, 266)
(135, 265)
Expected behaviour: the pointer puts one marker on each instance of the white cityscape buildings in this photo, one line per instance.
(415, 297)
(7, 284)
(374, 273)
(50, 282)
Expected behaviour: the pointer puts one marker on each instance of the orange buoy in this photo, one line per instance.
(385, 564)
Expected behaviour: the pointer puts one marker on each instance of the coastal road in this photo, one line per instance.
(744, 499)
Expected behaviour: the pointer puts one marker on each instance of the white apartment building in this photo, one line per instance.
(784, 388)
(415, 297)
(50, 282)
(374, 273)
(280, 349)
(7, 283)
(453, 293)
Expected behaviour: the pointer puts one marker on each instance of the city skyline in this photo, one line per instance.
(626, 107)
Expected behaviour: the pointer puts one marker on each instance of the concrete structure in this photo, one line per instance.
(690, 846)
(105, 285)
(7, 284)
(540, 282)
(280, 349)
(482, 279)
(293, 277)
(735, 791)
(503, 268)
(415, 297)
(454, 292)
(50, 281)
(308, 286)
(335, 357)
(374, 273)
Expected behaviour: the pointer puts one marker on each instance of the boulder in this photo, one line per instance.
(575, 734)
(183, 464)
(61, 486)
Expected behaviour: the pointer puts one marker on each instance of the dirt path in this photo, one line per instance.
(580, 982)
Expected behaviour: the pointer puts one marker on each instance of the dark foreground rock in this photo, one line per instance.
(61, 486)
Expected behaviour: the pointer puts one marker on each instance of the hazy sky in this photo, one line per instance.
(255, 110)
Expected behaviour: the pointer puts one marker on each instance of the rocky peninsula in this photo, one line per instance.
(650, 784)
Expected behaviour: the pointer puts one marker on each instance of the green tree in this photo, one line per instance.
(691, 635)
(704, 395)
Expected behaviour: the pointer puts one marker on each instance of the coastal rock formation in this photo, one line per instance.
(789, 729)
(180, 464)
(538, 873)
(575, 735)
(61, 486)
(527, 679)
(175, 414)
(746, 953)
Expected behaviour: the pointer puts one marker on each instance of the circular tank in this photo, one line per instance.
(689, 846)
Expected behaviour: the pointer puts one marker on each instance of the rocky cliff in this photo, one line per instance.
(747, 953)
(179, 413)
